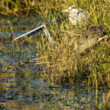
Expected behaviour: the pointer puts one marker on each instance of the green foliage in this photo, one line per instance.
(63, 65)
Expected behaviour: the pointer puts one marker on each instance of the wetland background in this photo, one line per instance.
(35, 76)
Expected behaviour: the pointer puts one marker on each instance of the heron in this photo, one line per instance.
(89, 38)
(76, 15)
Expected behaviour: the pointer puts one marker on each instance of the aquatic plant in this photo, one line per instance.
(62, 65)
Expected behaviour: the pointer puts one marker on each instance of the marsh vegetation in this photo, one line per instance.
(32, 59)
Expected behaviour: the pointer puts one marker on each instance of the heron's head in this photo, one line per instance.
(98, 31)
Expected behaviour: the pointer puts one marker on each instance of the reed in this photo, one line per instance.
(62, 65)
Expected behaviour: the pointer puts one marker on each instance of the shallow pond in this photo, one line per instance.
(20, 85)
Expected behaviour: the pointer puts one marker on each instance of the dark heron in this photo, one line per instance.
(89, 38)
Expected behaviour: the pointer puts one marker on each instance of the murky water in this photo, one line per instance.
(20, 86)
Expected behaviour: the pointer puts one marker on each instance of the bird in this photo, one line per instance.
(89, 38)
(76, 15)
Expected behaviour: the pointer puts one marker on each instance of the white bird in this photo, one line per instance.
(76, 15)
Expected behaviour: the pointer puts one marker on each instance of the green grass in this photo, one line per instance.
(63, 65)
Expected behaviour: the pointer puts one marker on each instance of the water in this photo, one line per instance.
(24, 94)
(20, 85)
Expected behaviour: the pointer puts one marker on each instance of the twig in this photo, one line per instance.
(34, 31)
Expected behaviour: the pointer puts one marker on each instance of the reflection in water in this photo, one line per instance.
(26, 94)
(21, 88)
